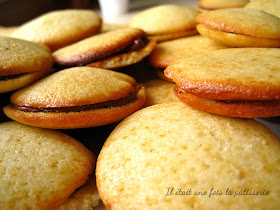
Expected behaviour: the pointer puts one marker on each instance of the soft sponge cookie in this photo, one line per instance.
(77, 97)
(240, 27)
(59, 28)
(166, 22)
(170, 156)
(22, 62)
(40, 168)
(236, 82)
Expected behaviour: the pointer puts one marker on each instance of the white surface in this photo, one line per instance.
(113, 8)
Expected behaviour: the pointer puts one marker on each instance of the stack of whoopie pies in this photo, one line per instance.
(85, 117)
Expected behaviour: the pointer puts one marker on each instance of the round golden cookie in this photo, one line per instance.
(40, 168)
(236, 40)
(166, 20)
(170, 156)
(269, 6)
(59, 28)
(159, 91)
(243, 109)
(22, 62)
(230, 74)
(241, 25)
(77, 97)
(114, 49)
(167, 52)
(220, 4)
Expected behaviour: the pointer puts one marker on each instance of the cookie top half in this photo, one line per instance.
(230, 74)
(75, 87)
(20, 56)
(245, 21)
(165, 19)
(59, 28)
(159, 156)
(40, 168)
(96, 47)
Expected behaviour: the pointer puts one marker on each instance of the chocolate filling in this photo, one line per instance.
(136, 45)
(8, 77)
(114, 103)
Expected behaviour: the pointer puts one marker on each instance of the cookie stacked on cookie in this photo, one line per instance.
(240, 27)
(22, 63)
(237, 82)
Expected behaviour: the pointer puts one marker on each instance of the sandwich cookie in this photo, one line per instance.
(220, 4)
(271, 6)
(59, 28)
(166, 22)
(111, 50)
(237, 82)
(165, 53)
(22, 62)
(159, 91)
(77, 97)
(41, 168)
(240, 27)
(170, 156)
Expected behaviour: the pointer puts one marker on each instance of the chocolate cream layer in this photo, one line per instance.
(136, 45)
(15, 76)
(106, 104)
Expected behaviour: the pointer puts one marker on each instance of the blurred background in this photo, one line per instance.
(16, 12)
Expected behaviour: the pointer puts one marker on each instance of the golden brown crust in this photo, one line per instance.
(75, 87)
(20, 56)
(165, 19)
(125, 59)
(230, 74)
(59, 28)
(243, 109)
(96, 47)
(244, 21)
(81, 119)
